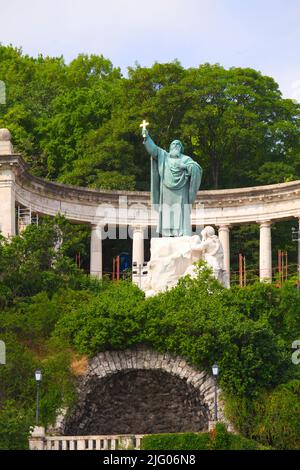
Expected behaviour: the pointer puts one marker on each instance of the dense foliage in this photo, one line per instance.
(272, 418)
(37, 281)
(40, 259)
(54, 314)
(218, 439)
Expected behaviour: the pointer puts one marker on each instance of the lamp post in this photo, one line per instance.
(215, 371)
(38, 379)
(296, 238)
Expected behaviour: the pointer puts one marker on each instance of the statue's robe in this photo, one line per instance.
(173, 190)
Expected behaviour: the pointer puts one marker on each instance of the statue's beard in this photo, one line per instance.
(175, 153)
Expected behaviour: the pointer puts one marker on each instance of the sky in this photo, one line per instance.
(261, 34)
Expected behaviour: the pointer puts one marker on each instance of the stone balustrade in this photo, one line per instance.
(40, 441)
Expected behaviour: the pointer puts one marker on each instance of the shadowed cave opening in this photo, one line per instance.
(138, 402)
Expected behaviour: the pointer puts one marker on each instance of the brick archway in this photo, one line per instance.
(142, 391)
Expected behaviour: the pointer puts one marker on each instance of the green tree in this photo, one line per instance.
(15, 422)
(40, 258)
(79, 123)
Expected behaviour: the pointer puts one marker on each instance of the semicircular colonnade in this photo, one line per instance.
(225, 208)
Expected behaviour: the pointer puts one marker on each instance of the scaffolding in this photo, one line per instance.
(282, 267)
(242, 271)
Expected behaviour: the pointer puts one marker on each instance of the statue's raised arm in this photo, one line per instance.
(150, 146)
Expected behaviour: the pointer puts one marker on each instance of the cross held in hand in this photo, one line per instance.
(144, 126)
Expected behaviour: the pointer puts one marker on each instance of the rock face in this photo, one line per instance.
(170, 259)
(139, 402)
(174, 257)
(139, 391)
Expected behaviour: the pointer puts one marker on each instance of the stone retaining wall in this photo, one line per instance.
(142, 391)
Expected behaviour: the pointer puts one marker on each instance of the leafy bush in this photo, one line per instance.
(58, 386)
(278, 422)
(35, 318)
(107, 321)
(17, 375)
(15, 424)
(218, 439)
(40, 259)
(197, 320)
(272, 418)
(18, 388)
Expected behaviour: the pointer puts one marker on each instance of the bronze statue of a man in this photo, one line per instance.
(175, 180)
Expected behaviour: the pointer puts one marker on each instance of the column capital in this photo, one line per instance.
(97, 230)
(226, 227)
(264, 223)
(95, 225)
(138, 227)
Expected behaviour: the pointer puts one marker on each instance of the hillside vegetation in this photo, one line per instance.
(53, 315)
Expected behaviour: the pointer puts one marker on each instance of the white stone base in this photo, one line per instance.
(171, 258)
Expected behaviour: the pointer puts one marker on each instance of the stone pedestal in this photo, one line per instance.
(171, 258)
(37, 438)
(174, 257)
(6, 147)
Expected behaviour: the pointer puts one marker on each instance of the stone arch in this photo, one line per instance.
(162, 391)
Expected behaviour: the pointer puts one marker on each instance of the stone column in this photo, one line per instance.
(96, 251)
(265, 251)
(224, 234)
(138, 245)
(7, 187)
